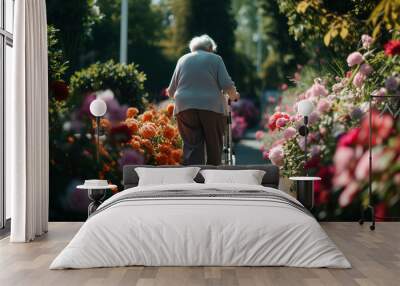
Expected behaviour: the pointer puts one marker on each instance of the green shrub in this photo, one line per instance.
(126, 82)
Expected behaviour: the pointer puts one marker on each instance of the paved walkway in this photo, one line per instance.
(248, 150)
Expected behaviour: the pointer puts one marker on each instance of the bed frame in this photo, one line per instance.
(270, 179)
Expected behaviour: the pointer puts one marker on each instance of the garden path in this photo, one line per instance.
(248, 149)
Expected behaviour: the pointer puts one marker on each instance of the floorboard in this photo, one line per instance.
(375, 257)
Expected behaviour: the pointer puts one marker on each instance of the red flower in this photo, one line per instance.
(60, 90)
(382, 127)
(274, 118)
(350, 138)
(392, 48)
(314, 162)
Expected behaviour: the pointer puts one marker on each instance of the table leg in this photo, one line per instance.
(305, 193)
(96, 197)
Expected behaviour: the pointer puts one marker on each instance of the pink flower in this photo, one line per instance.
(323, 106)
(337, 87)
(281, 122)
(366, 41)
(315, 150)
(381, 92)
(266, 155)
(259, 135)
(302, 143)
(347, 196)
(314, 117)
(343, 156)
(355, 58)
(362, 168)
(358, 80)
(276, 155)
(284, 86)
(289, 133)
(316, 90)
(366, 69)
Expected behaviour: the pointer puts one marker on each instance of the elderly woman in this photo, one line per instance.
(198, 85)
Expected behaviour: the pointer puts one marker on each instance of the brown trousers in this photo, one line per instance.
(196, 128)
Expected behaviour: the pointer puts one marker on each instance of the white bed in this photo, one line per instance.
(267, 229)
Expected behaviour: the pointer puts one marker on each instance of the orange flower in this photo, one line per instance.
(133, 124)
(163, 120)
(135, 144)
(161, 159)
(177, 155)
(170, 109)
(165, 149)
(132, 112)
(147, 116)
(136, 137)
(146, 143)
(169, 132)
(148, 131)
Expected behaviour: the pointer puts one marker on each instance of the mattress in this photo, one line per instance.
(201, 225)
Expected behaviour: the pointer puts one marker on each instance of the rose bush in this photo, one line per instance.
(338, 138)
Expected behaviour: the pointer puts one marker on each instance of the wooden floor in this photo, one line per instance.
(375, 257)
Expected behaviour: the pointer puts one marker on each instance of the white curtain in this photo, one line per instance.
(27, 145)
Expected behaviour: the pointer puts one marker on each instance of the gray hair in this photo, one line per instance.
(203, 42)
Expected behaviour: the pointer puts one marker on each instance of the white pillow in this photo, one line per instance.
(166, 176)
(248, 177)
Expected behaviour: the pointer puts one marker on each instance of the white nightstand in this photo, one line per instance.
(305, 190)
(96, 195)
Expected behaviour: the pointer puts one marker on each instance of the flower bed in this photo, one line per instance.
(338, 139)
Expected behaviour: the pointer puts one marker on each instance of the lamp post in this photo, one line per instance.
(98, 108)
(123, 52)
(305, 185)
(305, 108)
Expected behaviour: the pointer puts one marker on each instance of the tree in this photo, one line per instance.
(74, 19)
(283, 52)
(145, 31)
(197, 17)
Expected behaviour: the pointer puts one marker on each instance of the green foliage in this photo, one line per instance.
(126, 82)
(56, 71)
(57, 64)
(197, 17)
(335, 27)
(146, 29)
(283, 52)
(74, 19)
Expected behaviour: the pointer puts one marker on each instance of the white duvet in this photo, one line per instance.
(200, 231)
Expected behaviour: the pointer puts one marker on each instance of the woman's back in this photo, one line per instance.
(198, 80)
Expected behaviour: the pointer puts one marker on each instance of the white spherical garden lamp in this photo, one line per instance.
(305, 108)
(98, 108)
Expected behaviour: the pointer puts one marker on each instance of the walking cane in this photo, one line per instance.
(228, 149)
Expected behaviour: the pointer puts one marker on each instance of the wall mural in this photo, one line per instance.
(273, 72)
